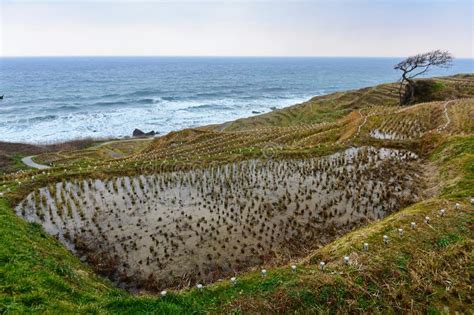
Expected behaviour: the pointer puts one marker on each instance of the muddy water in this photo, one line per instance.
(175, 229)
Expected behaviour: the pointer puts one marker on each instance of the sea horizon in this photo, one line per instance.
(213, 56)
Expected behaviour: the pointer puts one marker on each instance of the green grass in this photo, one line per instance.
(448, 239)
(456, 160)
(37, 273)
(17, 163)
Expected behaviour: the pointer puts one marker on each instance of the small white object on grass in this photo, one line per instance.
(163, 293)
(472, 201)
(293, 268)
(264, 272)
(427, 220)
(400, 232)
(233, 280)
(322, 265)
(442, 212)
(199, 286)
(385, 239)
(413, 225)
(346, 260)
(366, 246)
(457, 206)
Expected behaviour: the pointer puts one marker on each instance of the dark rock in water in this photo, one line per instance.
(255, 112)
(273, 108)
(139, 133)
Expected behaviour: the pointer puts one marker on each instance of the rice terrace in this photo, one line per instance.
(345, 203)
(199, 225)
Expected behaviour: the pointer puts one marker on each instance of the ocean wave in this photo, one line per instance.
(109, 104)
(122, 120)
(37, 100)
(208, 106)
(42, 118)
(109, 95)
(264, 98)
(145, 92)
(147, 101)
(30, 120)
(210, 94)
(271, 89)
(171, 98)
(66, 107)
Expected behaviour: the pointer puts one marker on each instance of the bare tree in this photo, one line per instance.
(416, 65)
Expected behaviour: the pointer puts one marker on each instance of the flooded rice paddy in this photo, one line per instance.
(178, 228)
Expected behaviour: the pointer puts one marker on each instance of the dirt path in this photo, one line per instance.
(446, 114)
(28, 161)
(448, 119)
(362, 124)
(366, 117)
(445, 110)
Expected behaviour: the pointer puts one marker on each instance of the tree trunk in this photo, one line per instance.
(400, 92)
(407, 97)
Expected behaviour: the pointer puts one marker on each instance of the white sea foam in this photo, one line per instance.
(163, 117)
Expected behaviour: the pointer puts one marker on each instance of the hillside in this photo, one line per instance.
(299, 186)
(11, 153)
(332, 107)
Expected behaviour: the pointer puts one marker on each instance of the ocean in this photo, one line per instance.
(62, 98)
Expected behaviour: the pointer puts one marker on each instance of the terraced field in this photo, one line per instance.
(200, 205)
(323, 124)
(187, 227)
(332, 107)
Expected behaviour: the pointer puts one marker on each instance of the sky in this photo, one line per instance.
(235, 28)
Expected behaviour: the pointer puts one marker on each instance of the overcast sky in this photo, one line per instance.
(236, 28)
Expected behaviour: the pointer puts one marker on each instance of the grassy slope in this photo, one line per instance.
(427, 269)
(103, 150)
(334, 106)
(11, 153)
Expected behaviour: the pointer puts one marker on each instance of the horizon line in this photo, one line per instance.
(205, 56)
